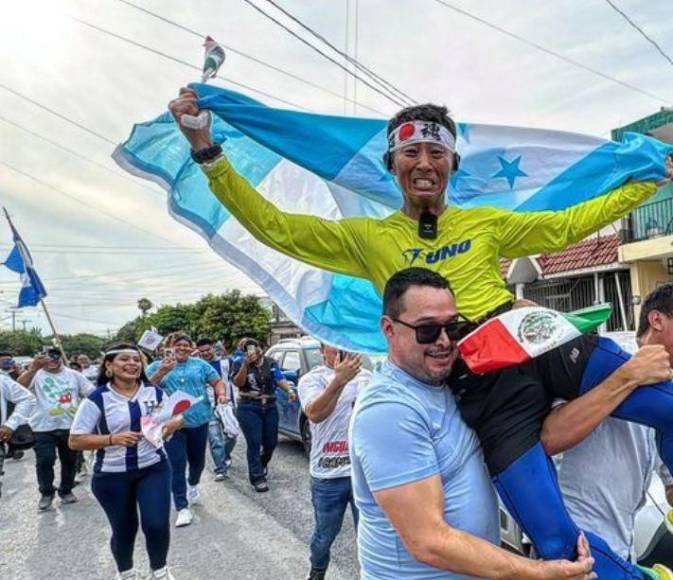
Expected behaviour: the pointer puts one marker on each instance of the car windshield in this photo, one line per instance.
(313, 357)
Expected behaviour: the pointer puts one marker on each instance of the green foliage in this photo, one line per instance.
(88, 344)
(22, 342)
(227, 317)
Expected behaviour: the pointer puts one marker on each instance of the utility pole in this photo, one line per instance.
(13, 320)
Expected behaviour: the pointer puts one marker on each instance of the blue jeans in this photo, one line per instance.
(121, 495)
(330, 498)
(188, 445)
(221, 446)
(259, 423)
(47, 443)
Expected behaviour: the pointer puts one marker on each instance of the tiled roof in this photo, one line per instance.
(585, 254)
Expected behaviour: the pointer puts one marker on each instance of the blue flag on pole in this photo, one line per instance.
(332, 167)
(21, 262)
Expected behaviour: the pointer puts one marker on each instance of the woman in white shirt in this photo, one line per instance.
(130, 474)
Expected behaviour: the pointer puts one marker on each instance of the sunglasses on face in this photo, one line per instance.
(429, 333)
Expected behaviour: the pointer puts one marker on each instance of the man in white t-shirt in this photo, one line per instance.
(58, 391)
(327, 395)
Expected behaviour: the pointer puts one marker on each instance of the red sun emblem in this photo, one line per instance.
(406, 131)
(181, 406)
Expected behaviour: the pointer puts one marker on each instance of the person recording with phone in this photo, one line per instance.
(257, 378)
(58, 391)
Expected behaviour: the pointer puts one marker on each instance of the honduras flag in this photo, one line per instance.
(332, 167)
(21, 262)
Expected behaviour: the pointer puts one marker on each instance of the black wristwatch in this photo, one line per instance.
(208, 154)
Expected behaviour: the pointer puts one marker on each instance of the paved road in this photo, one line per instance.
(239, 534)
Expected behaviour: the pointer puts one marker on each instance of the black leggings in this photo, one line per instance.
(121, 495)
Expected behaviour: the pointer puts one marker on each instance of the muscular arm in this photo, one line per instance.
(526, 233)
(570, 423)
(336, 246)
(416, 510)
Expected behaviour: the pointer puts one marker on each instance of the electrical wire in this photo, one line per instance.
(386, 94)
(248, 56)
(80, 156)
(551, 52)
(83, 203)
(183, 62)
(353, 60)
(640, 30)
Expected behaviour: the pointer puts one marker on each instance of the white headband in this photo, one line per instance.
(421, 132)
(123, 351)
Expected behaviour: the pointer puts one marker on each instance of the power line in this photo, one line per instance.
(79, 155)
(83, 203)
(248, 56)
(551, 52)
(59, 115)
(382, 82)
(385, 94)
(183, 62)
(640, 30)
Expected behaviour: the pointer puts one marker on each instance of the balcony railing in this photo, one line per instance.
(649, 221)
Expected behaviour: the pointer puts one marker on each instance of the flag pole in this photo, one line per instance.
(57, 337)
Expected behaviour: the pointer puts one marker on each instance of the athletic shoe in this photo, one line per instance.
(261, 486)
(128, 575)
(193, 494)
(164, 574)
(316, 574)
(221, 476)
(45, 502)
(668, 520)
(69, 498)
(184, 518)
(657, 572)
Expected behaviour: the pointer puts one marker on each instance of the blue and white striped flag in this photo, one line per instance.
(21, 262)
(332, 167)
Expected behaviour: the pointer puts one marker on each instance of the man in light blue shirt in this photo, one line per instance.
(427, 507)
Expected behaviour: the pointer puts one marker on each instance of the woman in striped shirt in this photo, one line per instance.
(130, 474)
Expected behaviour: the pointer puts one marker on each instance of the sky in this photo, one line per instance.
(101, 239)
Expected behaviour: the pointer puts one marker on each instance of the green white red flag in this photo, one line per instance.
(522, 334)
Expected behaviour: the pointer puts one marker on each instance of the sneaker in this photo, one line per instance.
(221, 476)
(316, 574)
(668, 520)
(164, 574)
(128, 575)
(261, 486)
(657, 572)
(45, 502)
(69, 498)
(193, 494)
(184, 518)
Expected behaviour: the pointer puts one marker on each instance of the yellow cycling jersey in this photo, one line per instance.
(467, 250)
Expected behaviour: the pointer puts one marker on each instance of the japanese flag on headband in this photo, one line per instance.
(152, 425)
(519, 335)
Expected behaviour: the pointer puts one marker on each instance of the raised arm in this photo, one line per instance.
(527, 233)
(338, 246)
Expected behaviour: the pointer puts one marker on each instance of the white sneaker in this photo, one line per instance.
(184, 518)
(193, 494)
(164, 574)
(128, 575)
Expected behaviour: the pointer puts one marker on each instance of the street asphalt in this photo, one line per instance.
(237, 534)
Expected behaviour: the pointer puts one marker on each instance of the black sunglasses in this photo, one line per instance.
(429, 333)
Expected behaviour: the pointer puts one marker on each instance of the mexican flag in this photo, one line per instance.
(520, 335)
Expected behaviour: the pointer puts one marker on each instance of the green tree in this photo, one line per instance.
(22, 342)
(83, 343)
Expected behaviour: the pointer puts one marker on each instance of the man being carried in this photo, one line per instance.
(506, 408)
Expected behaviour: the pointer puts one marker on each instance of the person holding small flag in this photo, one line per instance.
(131, 475)
(179, 371)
